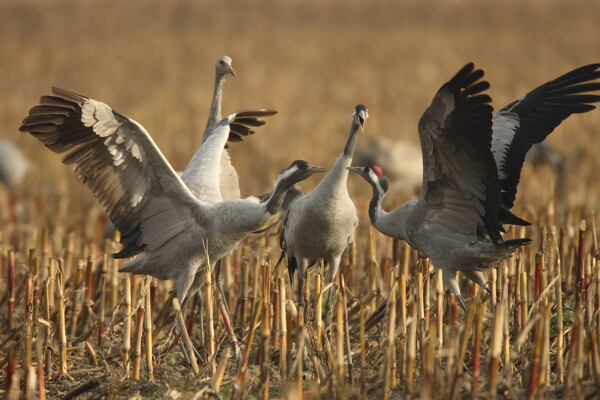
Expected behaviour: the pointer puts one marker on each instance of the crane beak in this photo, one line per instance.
(358, 170)
(315, 168)
(229, 70)
(362, 117)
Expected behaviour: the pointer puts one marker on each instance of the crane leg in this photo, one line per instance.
(225, 314)
(181, 346)
(478, 278)
(333, 268)
(449, 279)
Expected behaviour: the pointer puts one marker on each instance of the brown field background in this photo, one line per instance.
(312, 61)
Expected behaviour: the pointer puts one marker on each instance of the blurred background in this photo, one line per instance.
(313, 61)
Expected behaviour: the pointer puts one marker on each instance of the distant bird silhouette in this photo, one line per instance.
(13, 165)
(321, 223)
(472, 163)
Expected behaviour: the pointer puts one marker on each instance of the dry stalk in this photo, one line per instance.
(319, 306)
(283, 331)
(276, 304)
(148, 335)
(573, 348)
(11, 286)
(372, 267)
(593, 349)
(537, 349)
(265, 363)
(254, 298)
(210, 326)
(75, 303)
(480, 308)
(524, 296)
(91, 352)
(139, 331)
(244, 294)
(412, 348)
(238, 385)
(62, 331)
(218, 378)
(340, 393)
(102, 298)
(126, 346)
(545, 355)
(184, 335)
(389, 343)
(496, 346)
(347, 328)
(439, 297)
(363, 353)
(579, 287)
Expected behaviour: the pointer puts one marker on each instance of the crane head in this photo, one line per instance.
(299, 170)
(223, 66)
(374, 175)
(360, 115)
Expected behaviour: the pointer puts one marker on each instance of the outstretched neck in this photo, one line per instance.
(351, 142)
(338, 175)
(215, 108)
(376, 212)
(276, 199)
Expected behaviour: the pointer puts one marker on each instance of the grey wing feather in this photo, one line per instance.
(532, 117)
(121, 166)
(460, 191)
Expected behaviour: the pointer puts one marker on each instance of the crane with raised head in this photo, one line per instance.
(321, 223)
(471, 168)
(117, 160)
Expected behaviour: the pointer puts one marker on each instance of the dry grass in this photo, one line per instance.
(153, 61)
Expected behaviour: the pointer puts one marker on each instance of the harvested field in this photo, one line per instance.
(71, 326)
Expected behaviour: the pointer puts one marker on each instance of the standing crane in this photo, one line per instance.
(471, 167)
(157, 214)
(321, 223)
(228, 178)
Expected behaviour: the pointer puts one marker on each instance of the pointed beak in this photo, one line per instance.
(230, 70)
(358, 170)
(315, 168)
(362, 117)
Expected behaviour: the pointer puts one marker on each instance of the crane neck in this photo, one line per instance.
(276, 199)
(214, 115)
(376, 211)
(336, 178)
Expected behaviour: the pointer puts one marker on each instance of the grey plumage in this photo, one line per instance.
(229, 186)
(321, 223)
(145, 198)
(471, 167)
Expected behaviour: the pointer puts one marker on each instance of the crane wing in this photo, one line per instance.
(534, 116)
(120, 165)
(460, 193)
(202, 172)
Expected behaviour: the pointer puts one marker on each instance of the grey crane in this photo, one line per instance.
(472, 164)
(193, 175)
(144, 197)
(321, 223)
